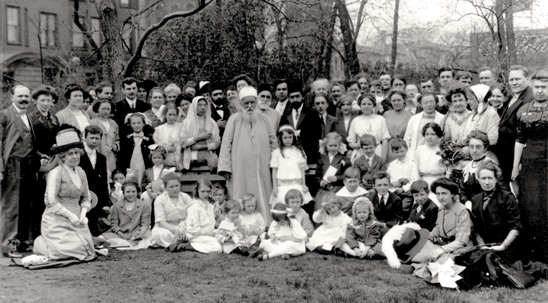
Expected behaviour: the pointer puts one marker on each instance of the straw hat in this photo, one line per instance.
(67, 138)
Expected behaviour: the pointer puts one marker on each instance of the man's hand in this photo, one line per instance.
(226, 175)
(221, 123)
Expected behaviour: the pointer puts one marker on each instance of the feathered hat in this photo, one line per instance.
(67, 138)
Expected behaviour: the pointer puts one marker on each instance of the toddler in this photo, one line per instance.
(294, 200)
(333, 229)
(251, 219)
(363, 235)
(286, 237)
(231, 233)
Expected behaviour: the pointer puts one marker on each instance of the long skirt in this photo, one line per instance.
(61, 240)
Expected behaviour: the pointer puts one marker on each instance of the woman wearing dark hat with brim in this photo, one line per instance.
(65, 233)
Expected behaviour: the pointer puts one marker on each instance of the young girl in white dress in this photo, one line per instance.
(200, 221)
(288, 165)
(332, 232)
(231, 233)
(252, 219)
(286, 237)
(168, 136)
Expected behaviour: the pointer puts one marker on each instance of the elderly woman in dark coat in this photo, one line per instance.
(495, 214)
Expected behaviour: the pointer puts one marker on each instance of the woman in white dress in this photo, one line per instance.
(428, 156)
(369, 123)
(168, 136)
(170, 213)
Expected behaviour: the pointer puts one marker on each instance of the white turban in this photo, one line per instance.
(248, 91)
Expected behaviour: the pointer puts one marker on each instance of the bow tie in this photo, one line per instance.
(219, 107)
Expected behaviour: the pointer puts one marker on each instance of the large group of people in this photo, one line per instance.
(454, 159)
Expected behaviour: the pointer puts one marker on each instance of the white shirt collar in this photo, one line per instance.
(385, 197)
(19, 110)
(89, 150)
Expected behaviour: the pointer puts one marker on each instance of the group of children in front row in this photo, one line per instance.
(350, 220)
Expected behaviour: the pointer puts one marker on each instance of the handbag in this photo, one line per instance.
(517, 278)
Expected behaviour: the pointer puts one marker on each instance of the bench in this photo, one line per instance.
(189, 178)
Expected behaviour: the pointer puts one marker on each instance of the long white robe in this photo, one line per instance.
(245, 152)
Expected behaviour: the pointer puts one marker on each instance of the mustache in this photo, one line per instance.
(24, 101)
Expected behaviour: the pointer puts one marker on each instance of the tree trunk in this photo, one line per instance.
(510, 37)
(352, 64)
(395, 37)
(501, 35)
(114, 61)
(327, 45)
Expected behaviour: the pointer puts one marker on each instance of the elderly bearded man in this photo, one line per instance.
(246, 147)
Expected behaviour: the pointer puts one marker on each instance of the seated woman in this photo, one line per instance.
(130, 220)
(200, 221)
(199, 134)
(478, 142)
(170, 213)
(495, 214)
(65, 232)
(454, 225)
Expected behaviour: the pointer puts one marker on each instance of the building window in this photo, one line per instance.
(96, 27)
(14, 33)
(77, 36)
(48, 29)
(125, 3)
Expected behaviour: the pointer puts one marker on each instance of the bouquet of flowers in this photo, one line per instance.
(451, 154)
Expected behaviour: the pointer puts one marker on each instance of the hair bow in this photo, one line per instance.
(147, 120)
(323, 143)
(167, 171)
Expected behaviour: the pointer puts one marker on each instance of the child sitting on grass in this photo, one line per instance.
(368, 162)
(231, 233)
(333, 229)
(351, 190)
(363, 235)
(130, 220)
(286, 237)
(294, 201)
(251, 219)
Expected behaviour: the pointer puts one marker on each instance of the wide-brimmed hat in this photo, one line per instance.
(403, 242)
(67, 138)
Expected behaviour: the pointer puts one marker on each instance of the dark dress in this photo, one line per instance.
(532, 129)
(500, 216)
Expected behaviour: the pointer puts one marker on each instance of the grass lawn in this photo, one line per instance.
(159, 276)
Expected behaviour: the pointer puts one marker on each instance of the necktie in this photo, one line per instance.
(383, 202)
(296, 116)
(323, 121)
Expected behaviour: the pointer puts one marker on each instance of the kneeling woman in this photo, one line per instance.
(200, 221)
(65, 233)
(495, 213)
(170, 213)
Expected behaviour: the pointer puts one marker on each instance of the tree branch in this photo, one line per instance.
(151, 29)
(280, 11)
(144, 10)
(89, 37)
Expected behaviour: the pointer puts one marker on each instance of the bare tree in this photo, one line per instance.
(395, 36)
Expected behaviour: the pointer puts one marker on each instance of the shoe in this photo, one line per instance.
(241, 250)
(14, 254)
(263, 257)
(286, 256)
(255, 253)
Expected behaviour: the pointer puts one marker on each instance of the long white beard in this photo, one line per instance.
(250, 116)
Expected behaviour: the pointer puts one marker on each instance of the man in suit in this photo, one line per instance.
(17, 176)
(95, 165)
(521, 94)
(219, 108)
(129, 105)
(315, 127)
(281, 102)
(387, 205)
(298, 110)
